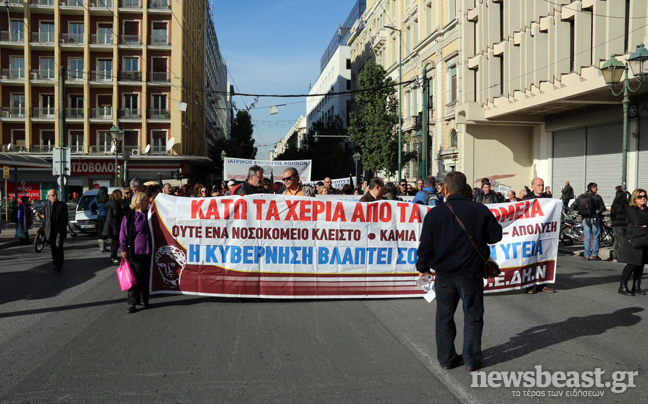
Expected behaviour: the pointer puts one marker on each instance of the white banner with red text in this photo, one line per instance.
(274, 246)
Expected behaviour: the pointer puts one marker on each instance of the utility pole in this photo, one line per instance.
(425, 129)
(62, 180)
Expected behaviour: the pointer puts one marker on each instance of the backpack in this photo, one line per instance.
(431, 198)
(234, 188)
(585, 205)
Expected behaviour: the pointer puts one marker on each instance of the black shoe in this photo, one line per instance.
(594, 258)
(131, 309)
(57, 269)
(476, 367)
(457, 362)
(623, 289)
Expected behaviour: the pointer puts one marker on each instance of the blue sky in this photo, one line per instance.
(274, 47)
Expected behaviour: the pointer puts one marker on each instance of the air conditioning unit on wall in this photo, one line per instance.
(135, 152)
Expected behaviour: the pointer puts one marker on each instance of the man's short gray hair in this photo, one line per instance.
(136, 182)
(430, 181)
(253, 171)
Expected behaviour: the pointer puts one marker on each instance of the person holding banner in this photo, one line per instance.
(135, 245)
(252, 185)
(446, 248)
(537, 191)
(375, 193)
(292, 185)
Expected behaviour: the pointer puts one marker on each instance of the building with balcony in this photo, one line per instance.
(533, 99)
(139, 65)
(426, 33)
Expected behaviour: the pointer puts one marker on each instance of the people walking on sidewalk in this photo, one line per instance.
(635, 256)
(24, 214)
(55, 216)
(619, 221)
(590, 206)
(114, 216)
(98, 205)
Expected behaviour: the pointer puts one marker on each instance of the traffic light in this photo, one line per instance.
(177, 174)
(119, 171)
(315, 136)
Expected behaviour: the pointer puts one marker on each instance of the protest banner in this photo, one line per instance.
(297, 247)
(237, 169)
(338, 183)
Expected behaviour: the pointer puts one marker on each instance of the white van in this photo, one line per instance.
(83, 220)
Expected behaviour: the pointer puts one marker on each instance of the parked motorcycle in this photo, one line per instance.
(571, 231)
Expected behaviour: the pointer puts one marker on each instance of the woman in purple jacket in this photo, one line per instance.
(135, 245)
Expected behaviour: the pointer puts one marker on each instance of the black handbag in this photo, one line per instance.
(491, 269)
(639, 241)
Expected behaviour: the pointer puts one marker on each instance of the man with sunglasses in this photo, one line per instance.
(55, 215)
(292, 185)
(253, 184)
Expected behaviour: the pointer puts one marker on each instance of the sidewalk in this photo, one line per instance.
(7, 238)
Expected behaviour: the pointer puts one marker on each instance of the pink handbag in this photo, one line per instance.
(125, 275)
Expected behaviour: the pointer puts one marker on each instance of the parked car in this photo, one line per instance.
(82, 219)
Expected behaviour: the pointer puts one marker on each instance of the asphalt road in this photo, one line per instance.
(67, 338)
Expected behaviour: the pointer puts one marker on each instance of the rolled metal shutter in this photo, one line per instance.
(642, 171)
(569, 160)
(604, 157)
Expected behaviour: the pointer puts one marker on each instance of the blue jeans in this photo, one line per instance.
(591, 228)
(470, 289)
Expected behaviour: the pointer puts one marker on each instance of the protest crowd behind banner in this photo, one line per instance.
(296, 247)
(237, 169)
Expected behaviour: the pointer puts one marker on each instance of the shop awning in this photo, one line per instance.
(21, 160)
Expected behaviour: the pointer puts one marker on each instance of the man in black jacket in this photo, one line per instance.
(253, 184)
(446, 248)
(55, 215)
(537, 191)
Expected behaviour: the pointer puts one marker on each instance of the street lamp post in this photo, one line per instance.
(356, 159)
(223, 157)
(117, 136)
(400, 96)
(612, 71)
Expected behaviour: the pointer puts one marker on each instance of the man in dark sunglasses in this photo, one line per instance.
(293, 186)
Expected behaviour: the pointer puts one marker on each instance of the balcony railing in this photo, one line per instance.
(130, 4)
(102, 3)
(71, 3)
(101, 39)
(43, 74)
(13, 74)
(42, 2)
(44, 113)
(130, 76)
(43, 37)
(75, 75)
(159, 4)
(159, 114)
(76, 148)
(130, 39)
(13, 112)
(14, 36)
(14, 148)
(43, 148)
(15, 2)
(101, 75)
(160, 77)
(72, 39)
(74, 113)
(101, 113)
(102, 148)
(160, 40)
(127, 113)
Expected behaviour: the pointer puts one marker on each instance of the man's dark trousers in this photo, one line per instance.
(470, 289)
(56, 245)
